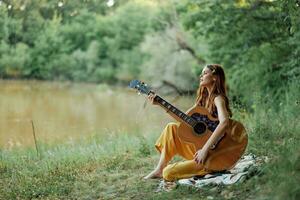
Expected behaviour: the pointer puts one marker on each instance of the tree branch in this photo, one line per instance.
(184, 45)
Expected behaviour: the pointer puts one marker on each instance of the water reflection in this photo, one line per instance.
(64, 111)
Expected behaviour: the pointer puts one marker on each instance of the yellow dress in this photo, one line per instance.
(170, 144)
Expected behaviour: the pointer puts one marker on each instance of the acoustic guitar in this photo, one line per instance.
(197, 125)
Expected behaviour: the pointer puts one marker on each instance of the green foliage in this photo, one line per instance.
(13, 61)
(85, 62)
(256, 41)
(274, 134)
(144, 148)
(48, 51)
(167, 62)
(75, 40)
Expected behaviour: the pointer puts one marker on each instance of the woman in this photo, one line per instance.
(211, 95)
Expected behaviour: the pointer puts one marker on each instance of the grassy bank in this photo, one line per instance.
(111, 168)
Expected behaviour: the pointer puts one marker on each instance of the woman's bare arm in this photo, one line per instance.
(223, 117)
(201, 154)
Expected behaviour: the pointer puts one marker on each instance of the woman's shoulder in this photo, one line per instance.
(219, 99)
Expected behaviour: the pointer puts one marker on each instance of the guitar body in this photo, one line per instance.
(229, 147)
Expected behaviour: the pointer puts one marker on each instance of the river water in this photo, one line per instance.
(66, 111)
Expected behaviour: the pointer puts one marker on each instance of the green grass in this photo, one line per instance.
(111, 168)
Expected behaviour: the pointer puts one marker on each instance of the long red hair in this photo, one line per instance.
(219, 88)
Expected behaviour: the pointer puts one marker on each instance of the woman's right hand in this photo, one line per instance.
(151, 97)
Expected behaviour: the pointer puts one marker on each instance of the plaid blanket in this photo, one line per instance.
(246, 167)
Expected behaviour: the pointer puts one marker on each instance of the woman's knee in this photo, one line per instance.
(171, 128)
(172, 125)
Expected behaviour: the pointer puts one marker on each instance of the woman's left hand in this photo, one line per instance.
(200, 156)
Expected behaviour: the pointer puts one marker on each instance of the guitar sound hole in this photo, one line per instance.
(211, 124)
(200, 128)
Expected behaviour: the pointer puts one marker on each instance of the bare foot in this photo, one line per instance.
(154, 174)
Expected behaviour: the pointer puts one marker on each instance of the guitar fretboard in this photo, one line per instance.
(170, 108)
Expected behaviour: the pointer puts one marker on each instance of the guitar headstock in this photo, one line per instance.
(140, 86)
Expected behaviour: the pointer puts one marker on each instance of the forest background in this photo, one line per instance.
(168, 43)
(88, 41)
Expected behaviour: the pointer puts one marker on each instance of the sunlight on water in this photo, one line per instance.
(65, 111)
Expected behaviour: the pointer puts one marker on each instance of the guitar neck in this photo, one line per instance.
(175, 112)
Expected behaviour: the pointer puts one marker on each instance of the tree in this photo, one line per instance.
(256, 42)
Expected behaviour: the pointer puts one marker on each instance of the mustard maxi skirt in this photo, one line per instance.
(170, 144)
